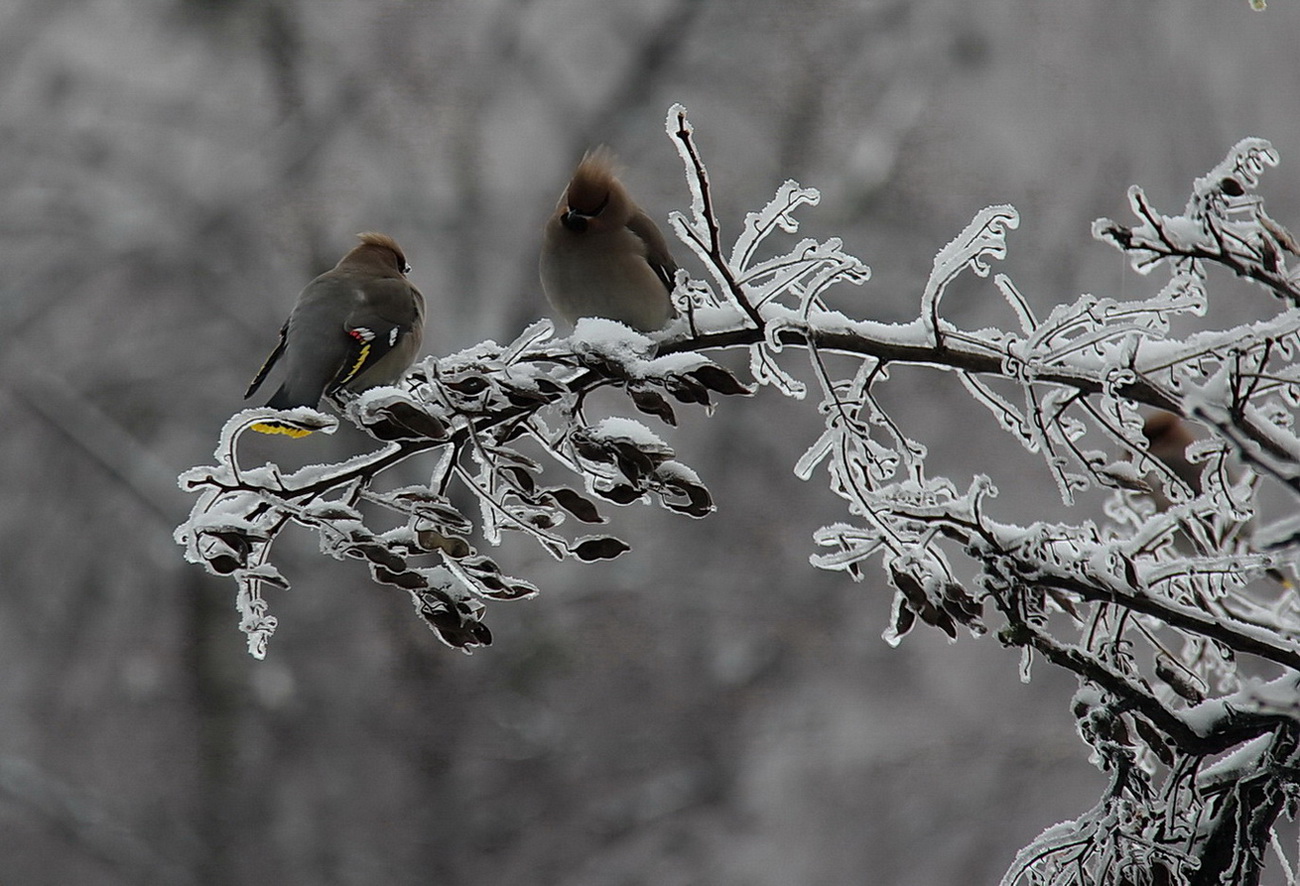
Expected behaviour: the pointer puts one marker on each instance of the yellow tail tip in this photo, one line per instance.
(275, 427)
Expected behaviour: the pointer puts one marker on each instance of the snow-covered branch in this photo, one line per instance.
(1153, 597)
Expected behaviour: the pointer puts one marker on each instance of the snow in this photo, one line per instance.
(616, 428)
(610, 340)
(1278, 695)
(1063, 386)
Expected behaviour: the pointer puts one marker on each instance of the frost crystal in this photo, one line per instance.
(1183, 568)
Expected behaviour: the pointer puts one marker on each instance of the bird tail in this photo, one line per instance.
(278, 427)
(281, 400)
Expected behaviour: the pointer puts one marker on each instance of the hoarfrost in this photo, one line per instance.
(1152, 599)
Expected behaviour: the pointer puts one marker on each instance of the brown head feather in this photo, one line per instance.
(1166, 429)
(374, 238)
(378, 248)
(594, 182)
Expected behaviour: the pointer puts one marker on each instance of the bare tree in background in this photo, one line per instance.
(1178, 621)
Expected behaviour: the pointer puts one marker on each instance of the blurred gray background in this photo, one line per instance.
(708, 709)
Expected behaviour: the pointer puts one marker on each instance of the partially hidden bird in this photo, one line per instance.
(1168, 437)
(354, 327)
(602, 256)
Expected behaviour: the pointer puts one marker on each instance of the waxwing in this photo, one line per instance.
(1168, 437)
(602, 256)
(353, 327)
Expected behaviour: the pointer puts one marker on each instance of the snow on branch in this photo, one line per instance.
(468, 412)
(1154, 599)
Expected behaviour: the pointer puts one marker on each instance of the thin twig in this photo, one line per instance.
(714, 246)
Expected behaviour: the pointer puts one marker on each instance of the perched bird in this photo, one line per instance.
(602, 256)
(353, 327)
(1168, 437)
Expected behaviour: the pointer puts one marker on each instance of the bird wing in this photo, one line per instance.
(376, 327)
(657, 254)
(269, 362)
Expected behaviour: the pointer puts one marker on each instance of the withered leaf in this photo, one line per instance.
(409, 580)
(223, 564)
(1178, 680)
(523, 397)
(519, 477)
(961, 605)
(915, 594)
(904, 620)
(1063, 600)
(379, 554)
(481, 565)
(332, 511)
(633, 463)
(653, 403)
(599, 547)
(590, 449)
(225, 551)
(1154, 740)
(456, 628)
(542, 519)
(698, 501)
(469, 384)
(619, 493)
(582, 508)
(716, 378)
(403, 421)
(687, 389)
(683, 495)
(491, 582)
(452, 545)
(512, 589)
(428, 505)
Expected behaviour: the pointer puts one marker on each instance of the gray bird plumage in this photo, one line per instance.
(602, 256)
(354, 327)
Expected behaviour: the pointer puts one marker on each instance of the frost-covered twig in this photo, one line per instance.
(1150, 598)
(470, 408)
(701, 231)
(1224, 222)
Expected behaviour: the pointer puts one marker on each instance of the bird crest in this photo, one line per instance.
(373, 238)
(593, 182)
(383, 241)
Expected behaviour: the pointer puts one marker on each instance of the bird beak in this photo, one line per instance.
(575, 221)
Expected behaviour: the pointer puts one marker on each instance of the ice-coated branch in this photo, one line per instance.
(701, 231)
(469, 408)
(1174, 452)
(1224, 222)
